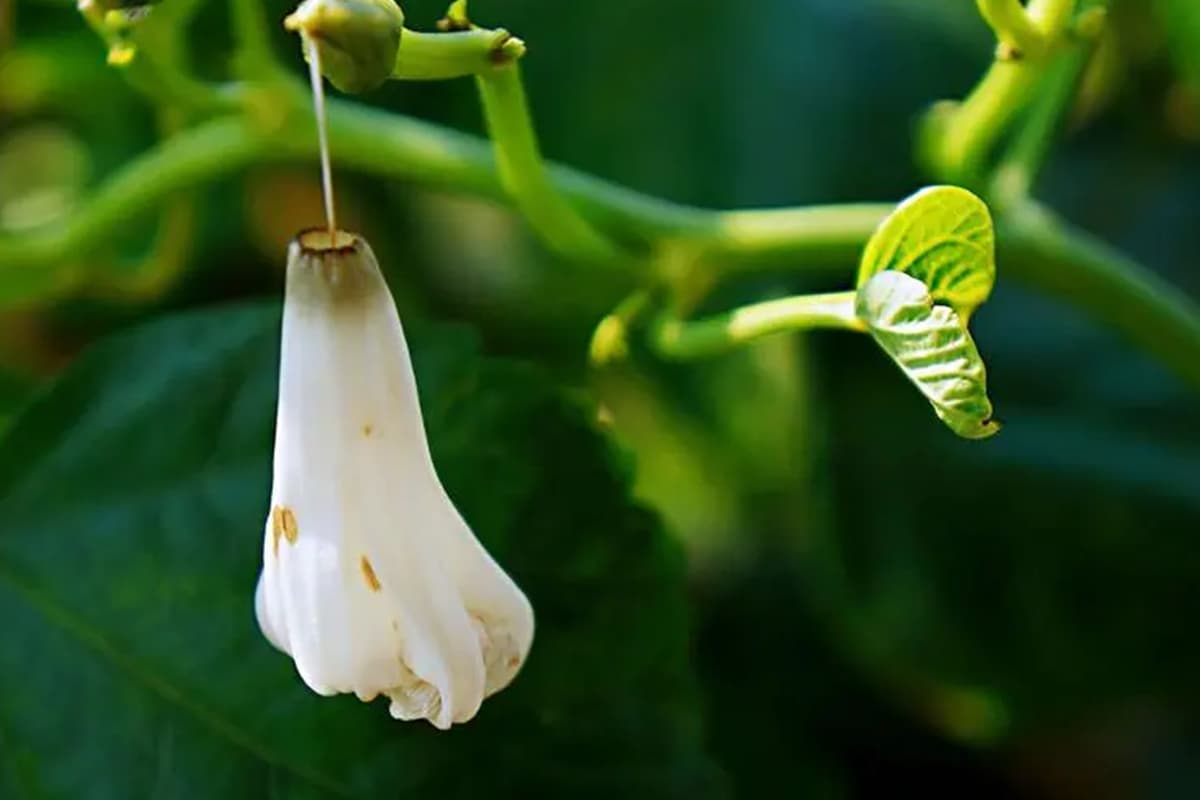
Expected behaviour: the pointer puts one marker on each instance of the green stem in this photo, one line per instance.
(523, 171)
(610, 340)
(253, 55)
(155, 271)
(828, 233)
(1012, 24)
(1048, 255)
(1013, 178)
(196, 156)
(442, 56)
(965, 136)
(151, 63)
(189, 159)
(678, 339)
(1052, 16)
(974, 126)
(395, 146)
(1065, 262)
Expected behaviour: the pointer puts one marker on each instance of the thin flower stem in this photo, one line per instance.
(679, 339)
(318, 95)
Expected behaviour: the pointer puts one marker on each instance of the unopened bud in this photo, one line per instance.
(357, 39)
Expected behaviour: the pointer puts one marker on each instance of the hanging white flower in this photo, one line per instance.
(371, 579)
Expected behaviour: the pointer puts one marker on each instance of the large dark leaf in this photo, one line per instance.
(132, 498)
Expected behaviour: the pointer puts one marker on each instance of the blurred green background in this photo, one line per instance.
(843, 600)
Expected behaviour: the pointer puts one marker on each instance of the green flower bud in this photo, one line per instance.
(357, 39)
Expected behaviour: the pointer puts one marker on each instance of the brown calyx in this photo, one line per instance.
(319, 241)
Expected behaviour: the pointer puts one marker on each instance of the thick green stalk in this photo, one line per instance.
(963, 136)
(1113, 288)
(1013, 25)
(254, 57)
(1052, 16)
(454, 54)
(1014, 175)
(523, 171)
(1045, 254)
(973, 127)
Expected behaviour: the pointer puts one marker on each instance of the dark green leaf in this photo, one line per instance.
(131, 506)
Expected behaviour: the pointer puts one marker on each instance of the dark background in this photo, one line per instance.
(875, 605)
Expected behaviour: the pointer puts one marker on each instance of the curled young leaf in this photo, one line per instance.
(931, 344)
(943, 236)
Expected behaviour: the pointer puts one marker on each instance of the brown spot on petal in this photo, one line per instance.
(291, 531)
(514, 662)
(369, 573)
(368, 430)
(283, 525)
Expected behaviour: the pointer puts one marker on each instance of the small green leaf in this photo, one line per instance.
(933, 347)
(943, 236)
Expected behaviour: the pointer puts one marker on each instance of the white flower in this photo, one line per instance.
(371, 579)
